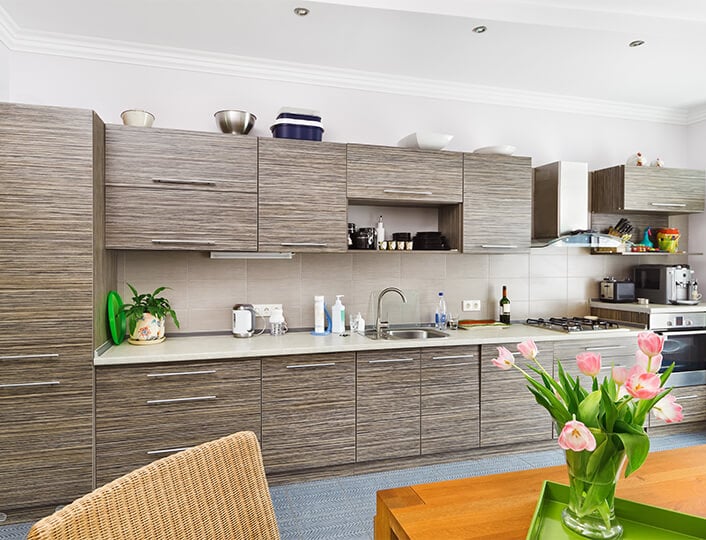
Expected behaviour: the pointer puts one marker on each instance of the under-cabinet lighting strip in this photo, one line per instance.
(247, 255)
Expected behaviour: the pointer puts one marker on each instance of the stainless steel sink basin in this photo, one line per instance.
(408, 333)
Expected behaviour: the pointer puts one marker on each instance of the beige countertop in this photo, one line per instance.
(649, 308)
(177, 348)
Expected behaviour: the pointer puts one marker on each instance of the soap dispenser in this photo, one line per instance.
(338, 316)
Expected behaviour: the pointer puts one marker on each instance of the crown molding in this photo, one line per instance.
(697, 114)
(292, 72)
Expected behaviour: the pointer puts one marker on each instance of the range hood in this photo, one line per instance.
(580, 238)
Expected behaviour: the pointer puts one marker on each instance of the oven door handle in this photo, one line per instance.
(680, 333)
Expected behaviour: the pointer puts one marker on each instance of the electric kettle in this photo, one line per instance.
(244, 320)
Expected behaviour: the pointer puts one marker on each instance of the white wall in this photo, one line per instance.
(187, 100)
(4, 72)
(696, 139)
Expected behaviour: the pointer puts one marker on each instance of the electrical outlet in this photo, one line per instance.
(265, 310)
(471, 305)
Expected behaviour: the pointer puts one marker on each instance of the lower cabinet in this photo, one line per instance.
(616, 351)
(450, 410)
(147, 412)
(388, 404)
(508, 411)
(308, 411)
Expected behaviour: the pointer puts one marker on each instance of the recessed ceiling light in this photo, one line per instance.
(301, 11)
(636, 43)
(480, 29)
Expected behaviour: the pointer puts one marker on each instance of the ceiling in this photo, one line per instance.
(542, 49)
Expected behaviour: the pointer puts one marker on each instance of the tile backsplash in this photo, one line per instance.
(547, 281)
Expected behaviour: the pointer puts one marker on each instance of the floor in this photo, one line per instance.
(343, 508)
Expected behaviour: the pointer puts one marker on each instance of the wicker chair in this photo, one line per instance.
(214, 491)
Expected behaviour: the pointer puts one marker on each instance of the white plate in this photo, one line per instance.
(425, 140)
(504, 149)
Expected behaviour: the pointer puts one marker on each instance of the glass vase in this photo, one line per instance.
(592, 481)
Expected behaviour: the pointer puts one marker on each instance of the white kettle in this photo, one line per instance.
(244, 320)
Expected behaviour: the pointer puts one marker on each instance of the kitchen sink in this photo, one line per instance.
(408, 333)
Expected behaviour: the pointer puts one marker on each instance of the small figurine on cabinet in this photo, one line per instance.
(637, 160)
(657, 163)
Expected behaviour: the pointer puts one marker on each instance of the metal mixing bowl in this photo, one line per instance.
(235, 121)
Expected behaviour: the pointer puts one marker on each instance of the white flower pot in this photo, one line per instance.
(149, 330)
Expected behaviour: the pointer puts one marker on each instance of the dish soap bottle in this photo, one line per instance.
(338, 316)
(505, 307)
(319, 315)
(440, 318)
(379, 233)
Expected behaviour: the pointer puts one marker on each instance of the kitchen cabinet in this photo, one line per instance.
(388, 404)
(450, 406)
(389, 175)
(54, 270)
(148, 412)
(497, 203)
(308, 411)
(180, 190)
(614, 351)
(693, 401)
(509, 413)
(647, 189)
(302, 205)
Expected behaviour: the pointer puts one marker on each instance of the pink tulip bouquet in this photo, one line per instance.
(601, 427)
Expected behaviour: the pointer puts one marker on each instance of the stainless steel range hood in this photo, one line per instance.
(587, 238)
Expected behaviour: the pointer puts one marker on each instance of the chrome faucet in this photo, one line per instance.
(380, 325)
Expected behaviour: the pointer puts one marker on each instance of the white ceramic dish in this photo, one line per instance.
(135, 117)
(425, 140)
(504, 149)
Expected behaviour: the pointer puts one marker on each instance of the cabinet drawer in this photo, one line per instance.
(175, 159)
(308, 411)
(509, 412)
(609, 348)
(378, 173)
(657, 189)
(180, 219)
(450, 411)
(388, 404)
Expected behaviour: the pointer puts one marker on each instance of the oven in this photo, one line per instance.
(684, 344)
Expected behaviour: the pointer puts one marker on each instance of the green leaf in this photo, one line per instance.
(609, 408)
(636, 448)
(589, 408)
(625, 427)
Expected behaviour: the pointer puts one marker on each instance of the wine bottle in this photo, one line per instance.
(505, 307)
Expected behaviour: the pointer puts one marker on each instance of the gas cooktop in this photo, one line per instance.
(574, 324)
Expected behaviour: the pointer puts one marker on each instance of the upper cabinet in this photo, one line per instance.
(380, 174)
(172, 189)
(647, 189)
(302, 203)
(497, 203)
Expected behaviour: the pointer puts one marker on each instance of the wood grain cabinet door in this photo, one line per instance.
(144, 413)
(509, 413)
(497, 203)
(388, 404)
(180, 190)
(302, 205)
(648, 189)
(308, 411)
(450, 399)
(404, 175)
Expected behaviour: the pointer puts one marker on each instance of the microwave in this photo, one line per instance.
(663, 283)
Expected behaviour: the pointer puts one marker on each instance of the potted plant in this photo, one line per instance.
(146, 315)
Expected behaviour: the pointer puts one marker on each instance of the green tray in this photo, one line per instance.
(639, 521)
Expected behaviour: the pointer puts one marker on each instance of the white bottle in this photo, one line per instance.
(440, 317)
(379, 233)
(338, 316)
(319, 315)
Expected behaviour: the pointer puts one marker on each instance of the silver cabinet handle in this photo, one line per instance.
(458, 364)
(684, 398)
(304, 244)
(390, 360)
(454, 357)
(30, 356)
(498, 246)
(167, 450)
(669, 205)
(159, 180)
(407, 192)
(304, 366)
(39, 383)
(606, 368)
(604, 348)
(177, 241)
(182, 373)
(180, 400)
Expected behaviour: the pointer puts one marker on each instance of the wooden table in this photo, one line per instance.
(500, 506)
